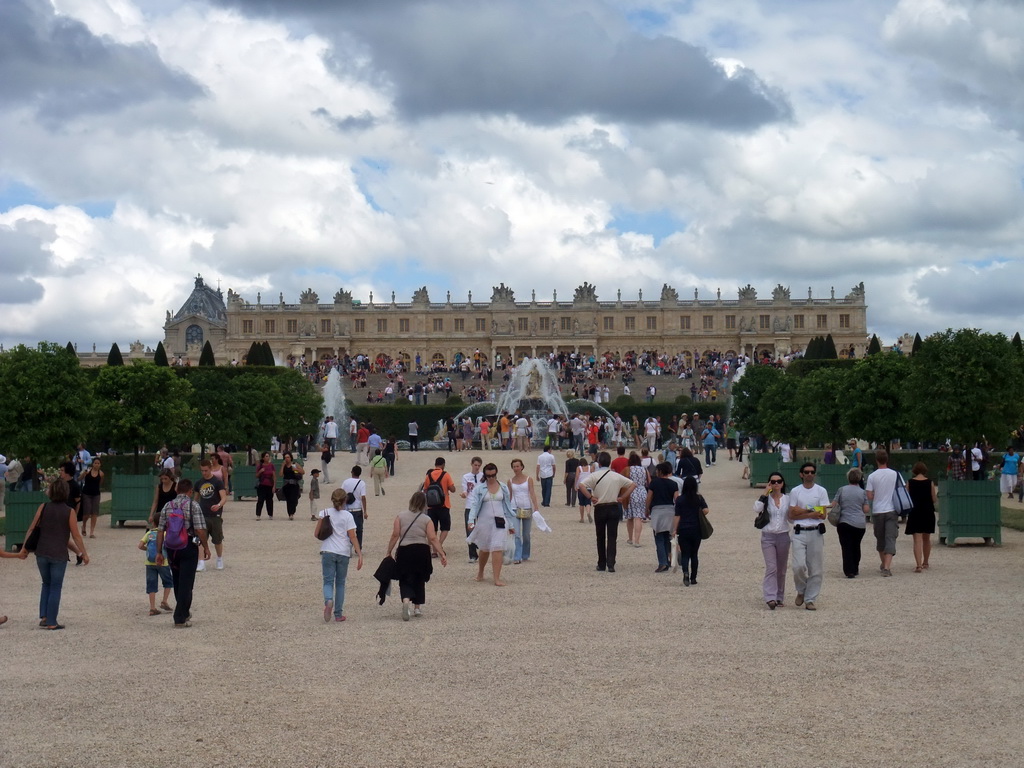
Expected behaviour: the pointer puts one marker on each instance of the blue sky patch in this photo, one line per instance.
(658, 224)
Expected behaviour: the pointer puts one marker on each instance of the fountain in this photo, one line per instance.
(532, 388)
(334, 405)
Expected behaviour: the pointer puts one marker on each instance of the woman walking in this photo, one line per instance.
(524, 501)
(689, 504)
(775, 540)
(661, 499)
(921, 520)
(390, 454)
(413, 533)
(852, 502)
(290, 476)
(336, 552)
(57, 523)
(92, 481)
(491, 521)
(582, 473)
(166, 490)
(636, 510)
(266, 482)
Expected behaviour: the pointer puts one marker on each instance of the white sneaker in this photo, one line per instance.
(201, 566)
(406, 612)
(220, 563)
(417, 611)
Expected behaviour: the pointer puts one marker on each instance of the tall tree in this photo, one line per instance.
(965, 385)
(917, 344)
(828, 349)
(141, 405)
(747, 393)
(114, 356)
(206, 357)
(875, 403)
(875, 346)
(71, 349)
(252, 357)
(215, 409)
(820, 405)
(46, 401)
(268, 355)
(160, 356)
(779, 407)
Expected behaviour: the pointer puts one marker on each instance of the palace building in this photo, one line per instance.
(507, 329)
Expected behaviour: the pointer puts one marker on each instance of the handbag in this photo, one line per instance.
(326, 528)
(524, 514)
(706, 529)
(764, 516)
(835, 512)
(901, 502)
(279, 493)
(32, 542)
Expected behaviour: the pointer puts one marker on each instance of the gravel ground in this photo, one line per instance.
(564, 667)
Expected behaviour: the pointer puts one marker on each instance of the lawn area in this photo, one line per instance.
(1013, 517)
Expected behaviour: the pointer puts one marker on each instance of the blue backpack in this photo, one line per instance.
(176, 534)
(151, 546)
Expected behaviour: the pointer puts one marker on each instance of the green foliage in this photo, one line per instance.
(70, 348)
(964, 385)
(802, 366)
(681, 399)
(820, 405)
(1017, 345)
(747, 394)
(114, 356)
(268, 355)
(917, 343)
(206, 357)
(214, 406)
(828, 350)
(141, 404)
(875, 346)
(623, 400)
(455, 401)
(46, 402)
(160, 356)
(301, 408)
(875, 399)
(779, 408)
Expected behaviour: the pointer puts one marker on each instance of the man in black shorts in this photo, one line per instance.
(212, 496)
(441, 514)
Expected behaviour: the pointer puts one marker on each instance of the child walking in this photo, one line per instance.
(314, 492)
(154, 572)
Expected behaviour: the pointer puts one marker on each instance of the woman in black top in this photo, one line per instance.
(569, 479)
(165, 491)
(91, 482)
(57, 523)
(921, 520)
(290, 475)
(688, 505)
(661, 496)
(389, 453)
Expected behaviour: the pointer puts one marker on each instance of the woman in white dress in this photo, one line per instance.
(582, 473)
(491, 522)
(524, 502)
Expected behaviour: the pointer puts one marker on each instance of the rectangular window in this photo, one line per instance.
(566, 323)
(382, 325)
(545, 323)
(764, 322)
(684, 322)
(823, 321)
(609, 323)
(844, 321)
(524, 324)
(438, 324)
(247, 326)
(709, 322)
(798, 322)
(730, 322)
(481, 324)
(403, 325)
(361, 325)
(630, 323)
(460, 325)
(652, 323)
(293, 326)
(325, 326)
(270, 326)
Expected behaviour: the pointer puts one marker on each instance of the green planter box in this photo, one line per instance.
(131, 498)
(21, 508)
(790, 471)
(243, 482)
(832, 477)
(761, 466)
(969, 509)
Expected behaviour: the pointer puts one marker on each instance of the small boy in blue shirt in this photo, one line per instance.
(155, 572)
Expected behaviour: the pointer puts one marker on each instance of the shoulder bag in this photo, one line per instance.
(706, 529)
(901, 502)
(326, 527)
(764, 516)
(388, 568)
(836, 511)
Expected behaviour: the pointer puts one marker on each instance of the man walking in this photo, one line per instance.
(212, 496)
(609, 491)
(470, 480)
(331, 433)
(880, 486)
(356, 486)
(414, 436)
(441, 513)
(807, 505)
(546, 475)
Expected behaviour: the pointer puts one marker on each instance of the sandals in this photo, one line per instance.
(54, 627)
(166, 607)
(154, 612)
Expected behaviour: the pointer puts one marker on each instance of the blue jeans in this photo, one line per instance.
(155, 574)
(663, 546)
(545, 490)
(335, 568)
(710, 453)
(52, 573)
(523, 530)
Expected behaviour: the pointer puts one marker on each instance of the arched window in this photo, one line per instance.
(194, 335)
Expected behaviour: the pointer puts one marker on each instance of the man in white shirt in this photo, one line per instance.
(414, 436)
(609, 491)
(553, 425)
(331, 433)
(651, 433)
(353, 430)
(470, 480)
(807, 509)
(880, 486)
(546, 474)
(522, 442)
(357, 487)
(576, 429)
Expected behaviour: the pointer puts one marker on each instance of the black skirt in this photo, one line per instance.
(413, 564)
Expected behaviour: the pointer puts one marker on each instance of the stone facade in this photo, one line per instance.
(505, 327)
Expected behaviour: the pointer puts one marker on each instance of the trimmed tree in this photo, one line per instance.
(206, 358)
(71, 349)
(874, 398)
(747, 394)
(828, 349)
(917, 343)
(114, 356)
(875, 346)
(160, 356)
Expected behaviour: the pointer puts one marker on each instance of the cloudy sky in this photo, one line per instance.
(275, 145)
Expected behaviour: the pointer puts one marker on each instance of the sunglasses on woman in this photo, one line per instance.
(774, 482)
